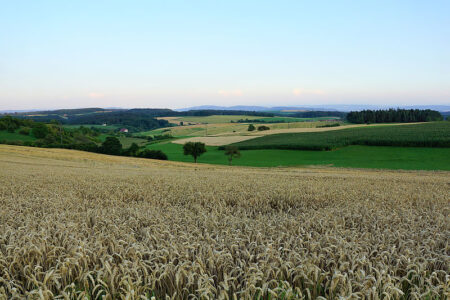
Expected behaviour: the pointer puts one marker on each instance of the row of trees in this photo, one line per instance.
(394, 116)
(196, 149)
(112, 146)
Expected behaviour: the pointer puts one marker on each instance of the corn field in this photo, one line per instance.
(76, 225)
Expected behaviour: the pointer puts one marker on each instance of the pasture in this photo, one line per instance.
(208, 119)
(406, 158)
(83, 225)
(293, 119)
(215, 140)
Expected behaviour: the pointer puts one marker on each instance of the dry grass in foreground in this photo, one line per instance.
(86, 226)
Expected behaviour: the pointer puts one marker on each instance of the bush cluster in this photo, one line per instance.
(263, 127)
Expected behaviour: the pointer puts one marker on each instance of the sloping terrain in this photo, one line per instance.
(216, 140)
(77, 224)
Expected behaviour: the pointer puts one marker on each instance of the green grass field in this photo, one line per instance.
(407, 158)
(15, 136)
(436, 134)
(292, 119)
(216, 119)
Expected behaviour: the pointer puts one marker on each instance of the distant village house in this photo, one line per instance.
(124, 130)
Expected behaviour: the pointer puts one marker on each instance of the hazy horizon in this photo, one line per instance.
(258, 53)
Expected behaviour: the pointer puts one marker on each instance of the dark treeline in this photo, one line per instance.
(394, 116)
(71, 111)
(152, 112)
(145, 119)
(135, 120)
(210, 112)
(318, 114)
(112, 146)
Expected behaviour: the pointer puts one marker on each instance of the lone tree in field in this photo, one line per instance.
(232, 152)
(251, 127)
(194, 148)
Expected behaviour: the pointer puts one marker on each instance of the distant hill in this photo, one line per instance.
(135, 120)
(15, 111)
(247, 108)
(215, 107)
(331, 107)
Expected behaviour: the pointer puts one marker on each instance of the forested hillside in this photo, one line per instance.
(394, 116)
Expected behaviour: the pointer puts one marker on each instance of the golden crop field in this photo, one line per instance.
(78, 225)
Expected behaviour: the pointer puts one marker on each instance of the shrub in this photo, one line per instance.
(329, 125)
(263, 127)
(111, 146)
(132, 150)
(154, 154)
(25, 131)
(40, 130)
(251, 127)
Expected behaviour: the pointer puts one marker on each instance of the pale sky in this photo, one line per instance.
(72, 54)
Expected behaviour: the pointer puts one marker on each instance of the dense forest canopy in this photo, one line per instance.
(394, 116)
(134, 120)
(211, 112)
(318, 114)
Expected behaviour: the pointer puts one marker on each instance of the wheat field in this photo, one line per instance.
(77, 225)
